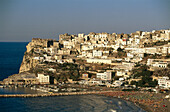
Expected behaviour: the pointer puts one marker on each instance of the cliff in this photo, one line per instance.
(25, 65)
(28, 61)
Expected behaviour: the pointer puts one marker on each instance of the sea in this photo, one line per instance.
(11, 54)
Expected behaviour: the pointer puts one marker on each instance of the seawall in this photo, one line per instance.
(52, 94)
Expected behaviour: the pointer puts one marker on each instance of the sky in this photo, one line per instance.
(22, 20)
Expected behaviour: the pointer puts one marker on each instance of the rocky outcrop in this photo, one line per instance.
(21, 78)
(39, 42)
(28, 62)
(25, 65)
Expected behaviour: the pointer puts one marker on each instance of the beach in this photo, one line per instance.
(150, 102)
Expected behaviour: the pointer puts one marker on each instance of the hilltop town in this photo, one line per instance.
(139, 59)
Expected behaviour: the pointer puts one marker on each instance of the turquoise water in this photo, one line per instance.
(11, 55)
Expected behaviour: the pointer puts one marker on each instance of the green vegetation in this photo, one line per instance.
(121, 53)
(67, 71)
(120, 50)
(145, 75)
(64, 71)
(168, 66)
(116, 77)
(138, 65)
(163, 72)
(158, 43)
(37, 70)
(153, 56)
(68, 66)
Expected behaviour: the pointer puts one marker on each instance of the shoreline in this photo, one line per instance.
(143, 107)
(149, 102)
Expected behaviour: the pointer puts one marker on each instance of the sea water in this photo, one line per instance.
(11, 54)
(81, 103)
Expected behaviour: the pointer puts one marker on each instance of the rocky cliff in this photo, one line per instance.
(28, 61)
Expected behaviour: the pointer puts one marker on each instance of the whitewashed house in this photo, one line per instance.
(104, 76)
(43, 79)
(164, 82)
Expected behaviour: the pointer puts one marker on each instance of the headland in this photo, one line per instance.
(133, 67)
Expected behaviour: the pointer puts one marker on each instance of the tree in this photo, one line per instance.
(168, 66)
(133, 83)
(140, 83)
(119, 49)
(117, 77)
(145, 74)
(145, 54)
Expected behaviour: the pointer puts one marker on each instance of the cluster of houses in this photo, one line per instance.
(103, 45)
(101, 48)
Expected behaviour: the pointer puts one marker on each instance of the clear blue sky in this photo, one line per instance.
(21, 20)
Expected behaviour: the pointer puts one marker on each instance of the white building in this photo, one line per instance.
(81, 35)
(52, 70)
(130, 55)
(120, 73)
(135, 50)
(95, 82)
(38, 58)
(117, 83)
(87, 47)
(150, 50)
(87, 54)
(164, 82)
(97, 53)
(161, 63)
(104, 76)
(43, 79)
(137, 41)
(68, 44)
(106, 61)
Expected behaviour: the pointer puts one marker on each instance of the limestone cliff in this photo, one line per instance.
(25, 65)
(28, 61)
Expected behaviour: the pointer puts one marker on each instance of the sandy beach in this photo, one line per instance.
(150, 102)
